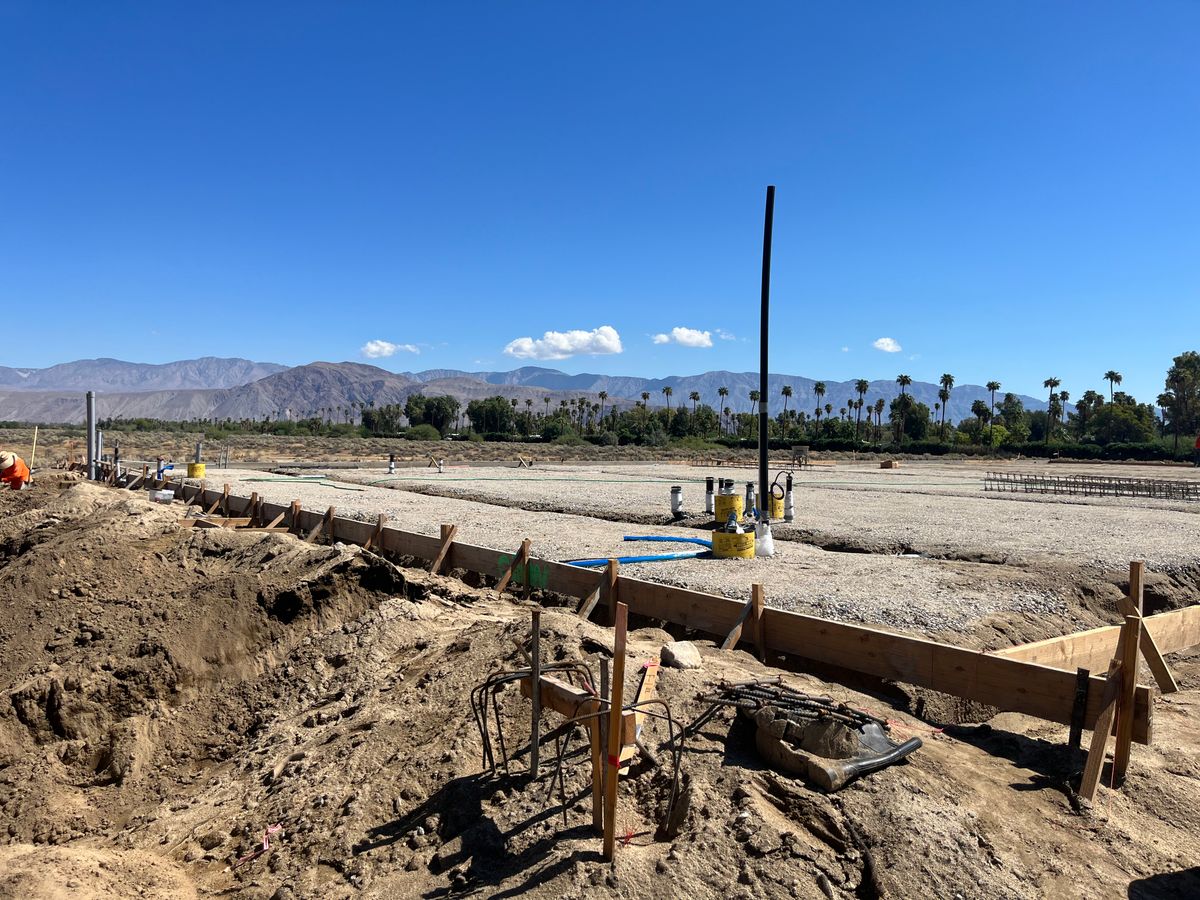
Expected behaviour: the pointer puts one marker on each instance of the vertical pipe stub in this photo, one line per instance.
(677, 500)
(708, 496)
(90, 414)
(789, 505)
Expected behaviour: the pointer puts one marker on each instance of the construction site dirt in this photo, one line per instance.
(214, 711)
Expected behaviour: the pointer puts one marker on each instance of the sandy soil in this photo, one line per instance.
(171, 694)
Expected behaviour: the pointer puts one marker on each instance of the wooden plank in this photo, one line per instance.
(1125, 712)
(759, 621)
(613, 592)
(448, 532)
(1170, 632)
(593, 599)
(521, 557)
(1095, 757)
(614, 737)
(735, 633)
(570, 702)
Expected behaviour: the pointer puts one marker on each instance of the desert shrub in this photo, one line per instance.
(423, 433)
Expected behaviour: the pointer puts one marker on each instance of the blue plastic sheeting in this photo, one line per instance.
(667, 539)
(624, 560)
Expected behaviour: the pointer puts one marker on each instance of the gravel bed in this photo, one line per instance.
(910, 593)
(939, 509)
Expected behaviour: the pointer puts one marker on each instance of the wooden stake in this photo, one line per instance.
(448, 532)
(1095, 757)
(1132, 606)
(614, 733)
(1129, 670)
(614, 574)
(295, 520)
(760, 625)
(225, 500)
(535, 656)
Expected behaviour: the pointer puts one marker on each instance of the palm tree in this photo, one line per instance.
(861, 386)
(694, 396)
(723, 392)
(1050, 383)
(787, 393)
(1063, 397)
(667, 392)
(904, 381)
(992, 387)
(819, 390)
(878, 417)
(645, 398)
(603, 395)
(546, 400)
(944, 396)
(947, 383)
(1112, 377)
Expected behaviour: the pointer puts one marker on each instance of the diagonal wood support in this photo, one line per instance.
(592, 600)
(448, 533)
(520, 558)
(326, 525)
(1104, 722)
(735, 633)
(376, 538)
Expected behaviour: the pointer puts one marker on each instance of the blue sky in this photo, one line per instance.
(1004, 192)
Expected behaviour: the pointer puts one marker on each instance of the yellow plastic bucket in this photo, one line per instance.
(724, 504)
(733, 546)
(195, 470)
(776, 509)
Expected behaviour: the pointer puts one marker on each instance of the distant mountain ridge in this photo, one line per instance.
(212, 388)
(205, 373)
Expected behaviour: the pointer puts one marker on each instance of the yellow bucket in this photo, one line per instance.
(724, 504)
(776, 510)
(733, 546)
(195, 470)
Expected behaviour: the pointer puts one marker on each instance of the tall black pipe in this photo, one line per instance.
(763, 398)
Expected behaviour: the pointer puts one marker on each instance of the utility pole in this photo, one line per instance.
(763, 396)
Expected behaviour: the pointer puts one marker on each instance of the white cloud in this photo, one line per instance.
(380, 349)
(685, 337)
(565, 344)
(724, 335)
(845, 349)
(887, 345)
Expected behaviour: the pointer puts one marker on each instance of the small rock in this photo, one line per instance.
(680, 655)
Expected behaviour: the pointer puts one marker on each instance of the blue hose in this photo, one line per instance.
(661, 557)
(668, 539)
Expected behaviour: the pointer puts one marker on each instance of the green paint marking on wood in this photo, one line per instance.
(539, 573)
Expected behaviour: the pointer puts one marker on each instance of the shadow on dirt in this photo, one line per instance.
(473, 847)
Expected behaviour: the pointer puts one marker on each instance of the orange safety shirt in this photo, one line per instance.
(15, 475)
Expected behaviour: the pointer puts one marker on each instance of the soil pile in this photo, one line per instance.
(168, 696)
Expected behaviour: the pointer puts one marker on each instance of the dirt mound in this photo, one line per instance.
(171, 697)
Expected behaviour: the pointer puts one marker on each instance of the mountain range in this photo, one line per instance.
(212, 388)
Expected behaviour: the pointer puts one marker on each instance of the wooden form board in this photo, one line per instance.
(1093, 649)
(1009, 684)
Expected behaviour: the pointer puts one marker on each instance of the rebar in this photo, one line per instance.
(1092, 485)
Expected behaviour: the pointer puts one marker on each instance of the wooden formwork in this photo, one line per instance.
(1033, 679)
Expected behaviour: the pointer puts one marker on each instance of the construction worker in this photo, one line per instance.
(1196, 453)
(13, 470)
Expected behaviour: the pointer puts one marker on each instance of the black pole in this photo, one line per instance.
(763, 399)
